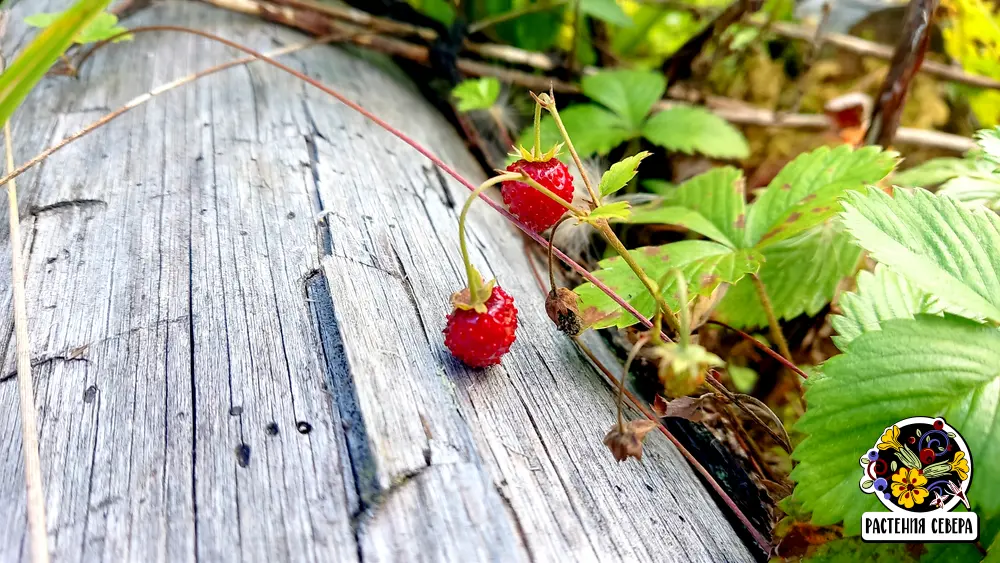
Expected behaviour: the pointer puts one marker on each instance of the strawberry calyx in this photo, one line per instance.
(536, 154)
(475, 296)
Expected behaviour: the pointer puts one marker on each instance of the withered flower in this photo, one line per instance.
(625, 440)
(561, 306)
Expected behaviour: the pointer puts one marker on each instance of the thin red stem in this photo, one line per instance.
(695, 464)
(763, 348)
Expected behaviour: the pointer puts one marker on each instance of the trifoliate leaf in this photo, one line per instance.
(801, 275)
(712, 204)
(103, 26)
(477, 93)
(989, 142)
(940, 246)
(926, 366)
(880, 296)
(621, 173)
(704, 264)
(805, 192)
(629, 93)
(606, 10)
(616, 210)
(690, 129)
(593, 129)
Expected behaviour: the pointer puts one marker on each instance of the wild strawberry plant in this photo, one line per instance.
(919, 334)
(623, 111)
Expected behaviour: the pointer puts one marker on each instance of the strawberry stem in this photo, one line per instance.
(475, 280)
(538, 132)
(621, 383)
(548, 100)
(685, 313)
(772, 320)
(651, 286)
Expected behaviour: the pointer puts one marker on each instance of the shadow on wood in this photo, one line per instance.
(236, 297)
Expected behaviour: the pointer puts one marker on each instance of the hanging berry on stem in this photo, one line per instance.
(481, 328)
(535, 208)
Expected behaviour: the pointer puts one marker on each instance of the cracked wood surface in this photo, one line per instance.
(221, 375)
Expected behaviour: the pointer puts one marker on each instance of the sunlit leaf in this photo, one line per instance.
(476, 93)
(940, 246)
(938, 171)
(103, 26)
(801, 276)
(616, 210)
(879, 297)
(712, 204)
(621, 173)
(704, 264)
(690, 129)
(806, 190)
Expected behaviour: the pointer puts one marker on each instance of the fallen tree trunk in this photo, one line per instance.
(236, 294)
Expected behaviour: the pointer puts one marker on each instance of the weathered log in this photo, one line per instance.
(236, 295)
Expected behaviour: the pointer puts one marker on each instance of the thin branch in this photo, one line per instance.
(909, 55)
(763, 348)
(29, 424)
(862, 47)
(514, 14)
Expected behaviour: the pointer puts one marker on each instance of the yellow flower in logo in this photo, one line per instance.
(960, 465)
(908, 485)
(890, 440)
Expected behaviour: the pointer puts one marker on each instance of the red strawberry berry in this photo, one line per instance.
(481, 339)
(531, 206)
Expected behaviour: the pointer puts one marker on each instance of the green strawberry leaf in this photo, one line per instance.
(705, 266)
(925, 366)
(974, 191)
(805, 192)
(940, 246)
(712, 204)
(621, 173)
(801, 276)
(103, 26)
(476, 94)
(690, 129)
(617, 210)
(880, 296)
(593, 129)
(607, 11)
(940, 170)
(629, 93)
